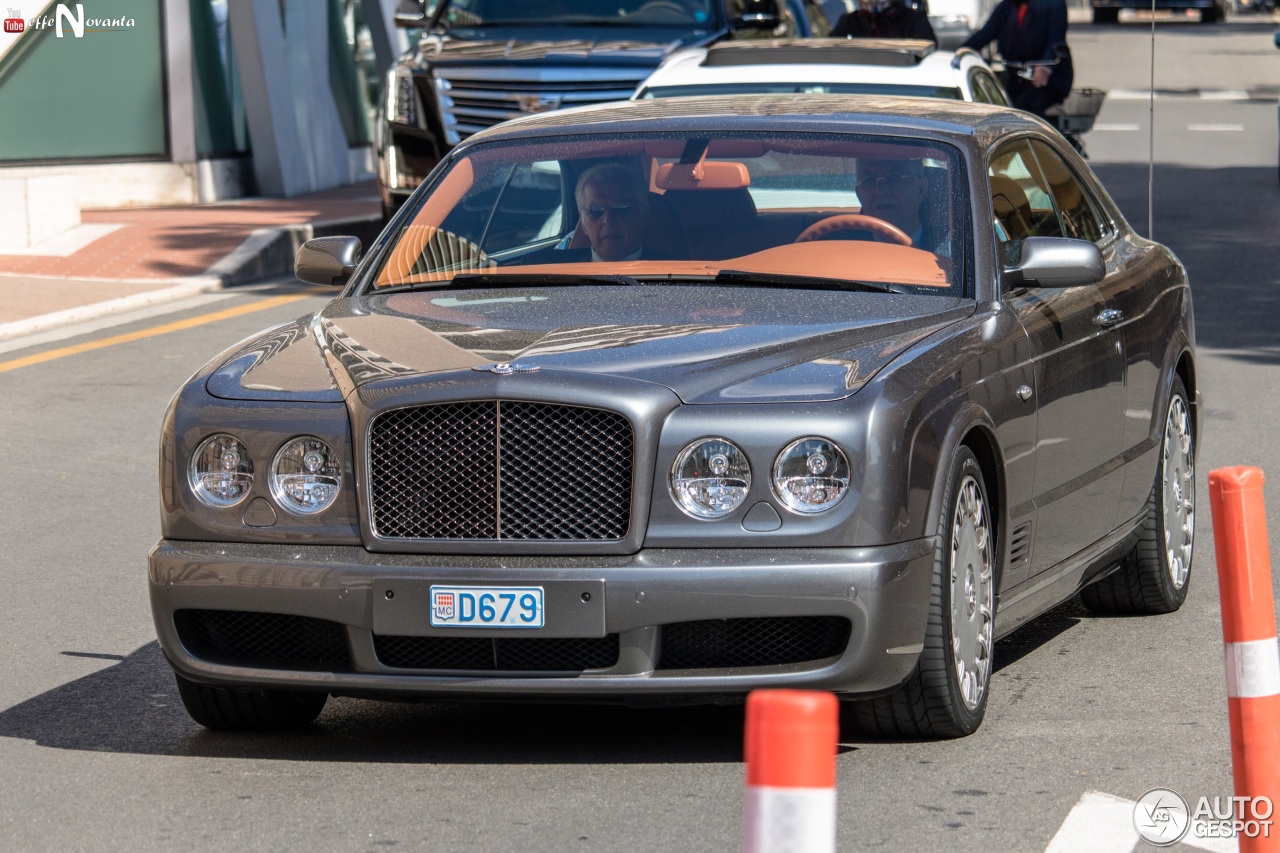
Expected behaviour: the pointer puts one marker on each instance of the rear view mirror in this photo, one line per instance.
(1057, 262)
(410, 13)
(758, 15)
(327, 260)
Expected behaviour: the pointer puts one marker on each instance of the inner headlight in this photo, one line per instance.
(306, 476)
(710, 478)
(810, 475)
(221, 472)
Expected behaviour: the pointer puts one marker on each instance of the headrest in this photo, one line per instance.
(716, 175)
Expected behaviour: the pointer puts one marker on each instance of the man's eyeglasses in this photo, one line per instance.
(595, 214)
(893, 182)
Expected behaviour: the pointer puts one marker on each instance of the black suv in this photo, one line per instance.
(480, 62)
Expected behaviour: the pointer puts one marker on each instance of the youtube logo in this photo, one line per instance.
(14, 25)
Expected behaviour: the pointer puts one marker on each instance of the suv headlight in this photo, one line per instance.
(221, 471)
(710, 478)
(810, 475)
(306, 476)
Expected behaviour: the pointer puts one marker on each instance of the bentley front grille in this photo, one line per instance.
(271, 640)
(726, 643)
(497, 470)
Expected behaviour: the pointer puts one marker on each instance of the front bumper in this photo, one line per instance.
(883, 593)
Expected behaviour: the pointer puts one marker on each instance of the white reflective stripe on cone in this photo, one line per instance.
(1253, 669)
(790, 820)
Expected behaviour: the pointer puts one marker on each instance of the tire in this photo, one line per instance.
(1106, 16)
(1211, 15)
(946, 694)
(249, 710)
(1155, 577)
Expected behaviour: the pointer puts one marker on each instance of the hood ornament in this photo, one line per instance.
(505, 368)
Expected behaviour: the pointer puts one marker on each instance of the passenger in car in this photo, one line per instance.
(896, 191)
(613, 206)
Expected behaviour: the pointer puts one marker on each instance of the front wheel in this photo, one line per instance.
(248, 710)
(946, 695)
(1155, 577)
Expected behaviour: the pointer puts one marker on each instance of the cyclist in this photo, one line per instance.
(1028, 32)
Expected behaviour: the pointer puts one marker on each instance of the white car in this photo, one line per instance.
(825, 67)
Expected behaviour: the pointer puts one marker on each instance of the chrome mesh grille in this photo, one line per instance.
(475, 98)
(501, 470)
(545, 654)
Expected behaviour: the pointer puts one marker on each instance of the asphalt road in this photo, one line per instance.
(96, 752)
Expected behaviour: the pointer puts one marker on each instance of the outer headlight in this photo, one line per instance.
(221, 472)
(710, 478)
(810, 475)
(306, 476)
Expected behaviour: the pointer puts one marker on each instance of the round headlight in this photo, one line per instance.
(221, 472)
(306, 476)
(810, 475)
(710, 478)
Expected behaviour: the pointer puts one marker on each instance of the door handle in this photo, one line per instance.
(1109, 318)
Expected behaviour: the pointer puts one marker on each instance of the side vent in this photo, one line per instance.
(1020, 545)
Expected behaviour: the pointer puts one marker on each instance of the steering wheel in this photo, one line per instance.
(853, 222)
(663, 9)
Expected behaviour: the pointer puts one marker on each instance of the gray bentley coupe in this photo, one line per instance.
(667, 401)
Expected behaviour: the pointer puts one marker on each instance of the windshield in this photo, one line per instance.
(616, 13)
(781, 88)
(780, 208)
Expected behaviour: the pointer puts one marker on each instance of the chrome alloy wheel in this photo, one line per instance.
(971, 593)
(1178, 492)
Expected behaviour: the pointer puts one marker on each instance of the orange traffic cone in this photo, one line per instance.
(791, 740)
(1249, 634)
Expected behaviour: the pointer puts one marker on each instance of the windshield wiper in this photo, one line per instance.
(746, 278)
(473, 281)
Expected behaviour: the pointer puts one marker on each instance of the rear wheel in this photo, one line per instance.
(248, 710)
(1106, 16)
(946, 695)
(1156, 575)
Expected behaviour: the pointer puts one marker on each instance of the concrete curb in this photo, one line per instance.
(266, 253)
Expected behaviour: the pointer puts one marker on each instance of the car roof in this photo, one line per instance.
(885, 61)
(873, 114)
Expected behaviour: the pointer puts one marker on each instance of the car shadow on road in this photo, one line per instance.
(132, 706)
(1221, 224)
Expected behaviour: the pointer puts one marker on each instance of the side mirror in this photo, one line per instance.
(327, 260)
(410, 13)
(1057, 262)
(758, 15)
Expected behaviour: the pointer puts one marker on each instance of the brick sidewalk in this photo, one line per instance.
(154, 249)
(175, 242)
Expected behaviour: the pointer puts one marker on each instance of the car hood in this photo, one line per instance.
(557, 46)
(707, 344)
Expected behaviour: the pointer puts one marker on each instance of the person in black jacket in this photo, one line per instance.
(1030, 31)
(891, 19)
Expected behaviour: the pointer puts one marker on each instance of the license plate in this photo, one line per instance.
(486, 607)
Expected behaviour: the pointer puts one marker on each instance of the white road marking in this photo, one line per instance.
(1225, 95)
(1101, 823)
(1217, 128)
(1119, 128)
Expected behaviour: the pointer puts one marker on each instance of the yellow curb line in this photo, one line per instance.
(191, 322)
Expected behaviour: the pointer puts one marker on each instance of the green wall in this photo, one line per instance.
(101, 95)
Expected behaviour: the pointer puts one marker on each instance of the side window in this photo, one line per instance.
(530, 208)
(991, 88)
(977, 86)
(1076, 210)
(1021, 200)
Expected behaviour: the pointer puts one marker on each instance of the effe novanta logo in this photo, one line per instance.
(62, 18)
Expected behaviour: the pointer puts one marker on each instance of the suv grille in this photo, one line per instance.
(501, 470)
(475, 98)
(546, 654)
(721, 643)
(263, 639)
